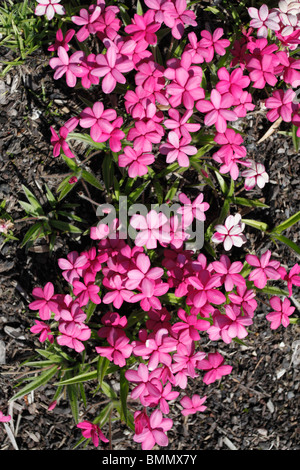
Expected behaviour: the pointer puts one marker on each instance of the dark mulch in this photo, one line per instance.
(256, 407)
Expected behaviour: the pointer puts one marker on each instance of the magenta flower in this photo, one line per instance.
(150, 229)
(112, 68)
(3, 418)
(143, 27)
(184, 88)
(189, 327)
(245, 104)
(45, 301)
(214, 367)
(49, 8)
(151, 290)
(72, 66)
(190, 209)
(43, 330)
(230, 234)
(155, 347)
(143, 135)
(261, 70)
(213, 43)
(89, 23)
(229, 272)
(73, 334)
(92, 431)
(206, 284)
(59, 142)
(178, 149)
(154, 433)
(99, 120)
(73, 266)
(87, 290)
(137, 161)
(176, 16)
(280, 105)
(192, 405)
(264, 269)
(144, 379)
(150, 76)
(233, 82)
(255, 175)
(281, 313)
(180, 124)
(245, 298)
(118, 292)
(60, 40)
(197, 52)
(142, 271)
(118, 351)
(262, 20)
(292, 278)
(237, 324)
(216, 110)
(231, 147)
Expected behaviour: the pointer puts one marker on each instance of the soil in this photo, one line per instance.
(257, 406)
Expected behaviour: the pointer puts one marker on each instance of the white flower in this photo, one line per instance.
(289, 15)
(255, 175)
(230, 233)
(263, 20)
(49, 8)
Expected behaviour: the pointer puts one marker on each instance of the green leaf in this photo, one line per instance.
(108, 391)
(86, 139)
(256, 224)
(296, 139)
(102, 366)
(287, 223)
(287, 242)
(33, 200)
(33, 233)
(124, 387)
(73, 400)
(64, 226)
(273, 291)
(108, 171)
(242, 201)
(42, 379)
(91, 179)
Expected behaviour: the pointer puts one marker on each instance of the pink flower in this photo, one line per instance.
(151, 290)
(189, 327)
(73, 333)
(264, 269)
(99, 120)
(184, 88)
(145, 382)
(215, 367)
(190, 209)
(60, 40)
(142, 271)
(281, 313)
(230, 234)
(49, 8)
(87, 290)
(89, 23)
(230, 276)
(244, 298)
(179, 150)
(216, 110)
(197, 52)
(176, 16)
(59, 142)
(233, 82)
(143, 27)
(281, 105)
(150, 76)
(206, 284)
(213, 43)
(262, 70)
(255, 175)
(262, 20)
(150, 229)
(72, 66)
(192, 405)
(292, 278)
(237, 323)
(90, 430)
(118, 292)
(72, 266)
(180, 124)
(118, 351)
(154, 432)
(157, 5)
(44, 330)
(136, 161)
(230, 142)
(111, 67)
(3, 418)
(143, 135)
(45, 301)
